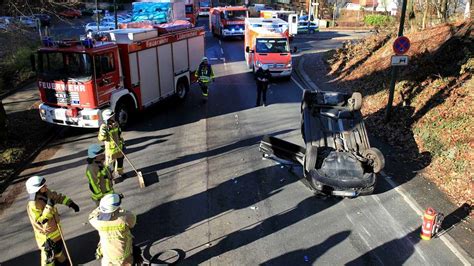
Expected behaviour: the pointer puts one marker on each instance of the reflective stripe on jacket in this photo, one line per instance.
(204, 71)
(43, 217)
(111, 135)
(115, 236)
(99, 178)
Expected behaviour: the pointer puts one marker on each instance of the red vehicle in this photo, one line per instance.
(70, 13)
(139, 67)
(191, 13)
(228, 21)
(204, 6)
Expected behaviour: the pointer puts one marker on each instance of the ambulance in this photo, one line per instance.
(267, 43)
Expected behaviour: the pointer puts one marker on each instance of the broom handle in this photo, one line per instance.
(64, 241)
(125, 156)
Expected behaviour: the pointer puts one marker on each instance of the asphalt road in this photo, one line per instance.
(215, 198)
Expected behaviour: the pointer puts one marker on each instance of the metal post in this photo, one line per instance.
(115, 14)
(97, 14)
(395, 68)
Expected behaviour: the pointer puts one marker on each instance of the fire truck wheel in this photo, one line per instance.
(355, 102)
(182, 89)
(375, 157)
(122, 113)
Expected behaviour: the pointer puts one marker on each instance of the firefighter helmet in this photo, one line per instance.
(35, 183)
(94, 150)
(264, 67)
(109, 203)
(107, 114)
(204, 59)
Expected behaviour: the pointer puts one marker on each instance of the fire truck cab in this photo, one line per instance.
(267, 43)
(228, 21)
(204, 7)
(77, 80)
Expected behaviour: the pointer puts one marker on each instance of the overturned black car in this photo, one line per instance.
(338, 159)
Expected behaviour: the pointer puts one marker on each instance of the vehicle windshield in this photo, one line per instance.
(272, 46)
(235, 14)
(204, 4)
(189, 9)
(57, 65)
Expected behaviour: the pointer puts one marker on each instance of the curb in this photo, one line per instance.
(53, 133)
(20, 86)
(303, 76)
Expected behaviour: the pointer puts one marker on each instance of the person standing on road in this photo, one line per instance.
(111, 134)
(262, 76)
(114, 224)
(98, 175)
(44, 218)
(205, 75)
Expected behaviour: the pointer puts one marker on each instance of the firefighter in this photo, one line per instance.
(205, 75)
(262, 77)
(113, 224)
(98, 175)
(44, 218)
(110, 133)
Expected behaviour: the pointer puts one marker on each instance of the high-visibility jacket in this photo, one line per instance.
(43, 217)
(204, 71)
(100, 180)
(115, 236)
(111, 135)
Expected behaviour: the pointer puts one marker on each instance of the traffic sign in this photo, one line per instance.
(401, 45)
(399, 60)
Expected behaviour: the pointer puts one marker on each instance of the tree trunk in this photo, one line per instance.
(3, 124)
(425, 15)
(444, 10)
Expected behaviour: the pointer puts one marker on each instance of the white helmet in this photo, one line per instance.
(107, 114)
(34, 184)
(264, 67)
(204, 59)
(109, 203)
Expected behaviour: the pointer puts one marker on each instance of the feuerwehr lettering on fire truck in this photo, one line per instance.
(62, 86)
(187, 35)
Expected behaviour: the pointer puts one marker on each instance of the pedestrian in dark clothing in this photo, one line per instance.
(263, 77)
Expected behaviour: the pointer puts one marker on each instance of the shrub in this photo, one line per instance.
(378, 20)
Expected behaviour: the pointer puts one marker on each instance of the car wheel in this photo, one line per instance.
(355, 102)
(376, 159)
(310, 157)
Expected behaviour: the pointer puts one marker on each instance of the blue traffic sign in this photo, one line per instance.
(401, 45)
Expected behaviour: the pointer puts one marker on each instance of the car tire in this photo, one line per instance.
(375, 158)
(310, 158)
(355, 101)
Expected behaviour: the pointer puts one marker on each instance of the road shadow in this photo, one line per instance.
(400, 249)
(82, 250)
(309, 255)
(190, 212)
(269, 226)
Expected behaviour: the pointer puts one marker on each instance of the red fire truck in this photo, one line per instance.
(204, 7)
(228, 21)
(137, 68)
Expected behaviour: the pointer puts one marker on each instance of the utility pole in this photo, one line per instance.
(97, 14)
(115, 14)
(395, 68)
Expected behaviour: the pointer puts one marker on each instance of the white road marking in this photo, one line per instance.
(447, 240)
(297, 83)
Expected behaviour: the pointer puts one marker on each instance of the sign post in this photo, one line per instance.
(395, 68)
